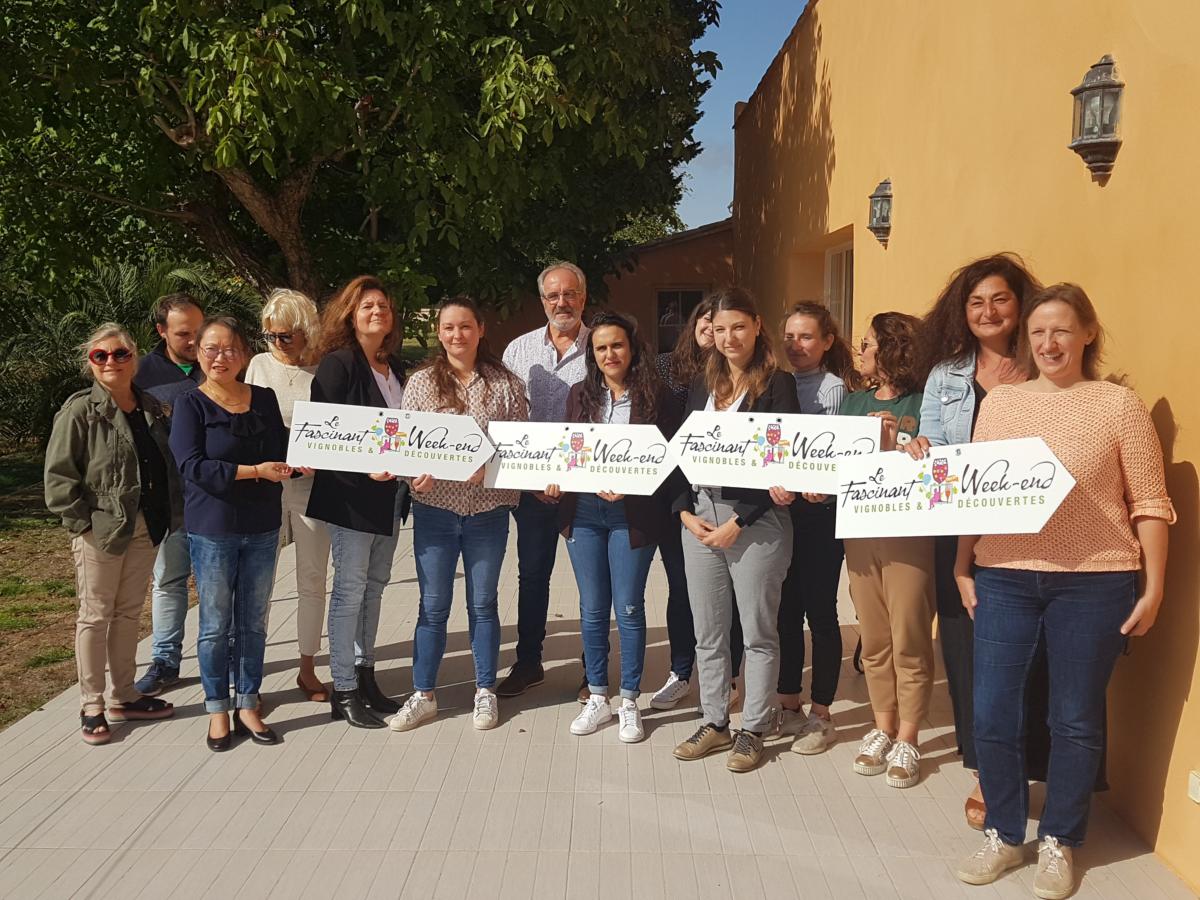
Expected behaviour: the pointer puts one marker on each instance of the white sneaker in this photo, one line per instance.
(793, 721)
(631, 722)
(814, 736)
(594, 714)
(872, 753)
(904, 765)
(669, 695)
(416, 709)
(487, 710)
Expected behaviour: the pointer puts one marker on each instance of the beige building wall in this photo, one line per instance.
(965, 106)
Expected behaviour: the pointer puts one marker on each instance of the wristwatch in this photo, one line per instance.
(739, 521)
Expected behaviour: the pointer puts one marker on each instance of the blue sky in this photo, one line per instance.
(750, 34)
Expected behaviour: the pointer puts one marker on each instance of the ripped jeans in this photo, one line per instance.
(612, 578)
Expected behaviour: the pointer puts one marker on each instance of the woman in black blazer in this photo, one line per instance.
(359, 332)
(610, 536)
(736, 540)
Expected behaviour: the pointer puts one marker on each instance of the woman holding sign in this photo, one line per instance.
(359, 334)
(453, 519)
(291, 328)
(823, 366)
(229, 441)
(891, 579)
(610, 537)
(969, 342)
(736, 540)
(1075, 583)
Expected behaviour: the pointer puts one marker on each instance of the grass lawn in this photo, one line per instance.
(37, 593)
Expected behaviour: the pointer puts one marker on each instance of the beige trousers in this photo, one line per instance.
(112, 589)
(312, 564)
(891, 584)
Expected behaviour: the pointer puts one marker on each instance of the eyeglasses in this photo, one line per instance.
(864, 346)
(119, 356)
(569, 296)
(282, 338)
(221, 352)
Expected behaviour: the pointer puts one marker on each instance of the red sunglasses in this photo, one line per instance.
(121, 355)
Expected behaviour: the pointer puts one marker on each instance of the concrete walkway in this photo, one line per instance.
(526, 810)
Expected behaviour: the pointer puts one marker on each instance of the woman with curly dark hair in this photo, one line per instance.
(611, 537)
(891, 578)
(679, 368)
(969, 342)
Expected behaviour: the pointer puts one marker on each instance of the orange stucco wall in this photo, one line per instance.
(966, 107)
(699, 262)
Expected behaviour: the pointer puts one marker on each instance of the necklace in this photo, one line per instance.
(228, 403)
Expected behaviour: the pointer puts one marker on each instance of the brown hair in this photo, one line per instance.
(895, 358)
(640, 381)
(337, 321)
(839, 358)
(451, 394)
(944, 333)
(1075, 297)
(762, 364)
(169, 303)
(688, 357)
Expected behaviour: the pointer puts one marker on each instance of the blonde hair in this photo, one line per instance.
(294, 311)
(103, 333)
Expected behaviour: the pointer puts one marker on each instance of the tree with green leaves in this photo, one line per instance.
(444, 144)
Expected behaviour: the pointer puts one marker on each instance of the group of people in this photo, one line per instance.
(175, 464)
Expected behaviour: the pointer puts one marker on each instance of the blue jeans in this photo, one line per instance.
(362, 567)
(1080, 615)
(439, 538)
(612, 578)
(169, 599)
(234, 577)
(537, 544)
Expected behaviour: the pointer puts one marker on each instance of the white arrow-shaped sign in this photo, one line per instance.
(993, 487)
(400, 441)
(761, 450)
(624, 459)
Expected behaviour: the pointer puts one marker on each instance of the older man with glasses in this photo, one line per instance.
(549, 360)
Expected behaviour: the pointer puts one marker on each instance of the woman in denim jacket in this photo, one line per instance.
(968, 341)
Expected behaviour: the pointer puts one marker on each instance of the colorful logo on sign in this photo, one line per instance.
(938, 485)
(770, 444)
(575, 452)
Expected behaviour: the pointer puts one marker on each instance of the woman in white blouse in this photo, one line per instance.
(292, 329)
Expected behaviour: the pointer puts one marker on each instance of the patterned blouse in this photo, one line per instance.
(501, 401)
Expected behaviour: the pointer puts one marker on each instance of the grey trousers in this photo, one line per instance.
(754, 569)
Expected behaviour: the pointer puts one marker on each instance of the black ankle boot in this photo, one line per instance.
(373, 698)
(348, 705)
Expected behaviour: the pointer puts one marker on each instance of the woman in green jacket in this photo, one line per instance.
(110, 478)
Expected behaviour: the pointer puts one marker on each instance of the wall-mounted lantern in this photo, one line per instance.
(1095, 130)
(880, 221)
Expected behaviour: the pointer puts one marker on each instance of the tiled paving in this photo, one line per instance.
(526, 810)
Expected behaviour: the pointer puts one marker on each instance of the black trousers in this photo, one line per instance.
(810, 592)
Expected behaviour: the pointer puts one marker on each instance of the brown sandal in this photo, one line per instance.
(976, 812)
(318, 696)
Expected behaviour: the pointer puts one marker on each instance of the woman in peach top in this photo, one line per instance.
(1076, 582)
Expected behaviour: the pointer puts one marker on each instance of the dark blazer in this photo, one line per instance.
(352, 499)
(158, 376)
(749, 503)
(649, 516)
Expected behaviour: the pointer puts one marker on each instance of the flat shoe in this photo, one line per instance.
(318, 696)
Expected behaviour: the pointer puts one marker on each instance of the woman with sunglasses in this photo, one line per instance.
(110, 478)
(292, 329)
(229, 441)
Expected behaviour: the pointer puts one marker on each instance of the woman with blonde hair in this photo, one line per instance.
(111, 479)
(292, 329)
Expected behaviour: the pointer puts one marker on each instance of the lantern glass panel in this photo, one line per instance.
(1110, 112)
(1077, 121)
(1091, 114)
(885, 210)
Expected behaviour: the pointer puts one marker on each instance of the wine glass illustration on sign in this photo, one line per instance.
(774, 432)
(390, 427)
(576, 450)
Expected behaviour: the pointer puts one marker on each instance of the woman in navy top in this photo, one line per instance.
(227, 438)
